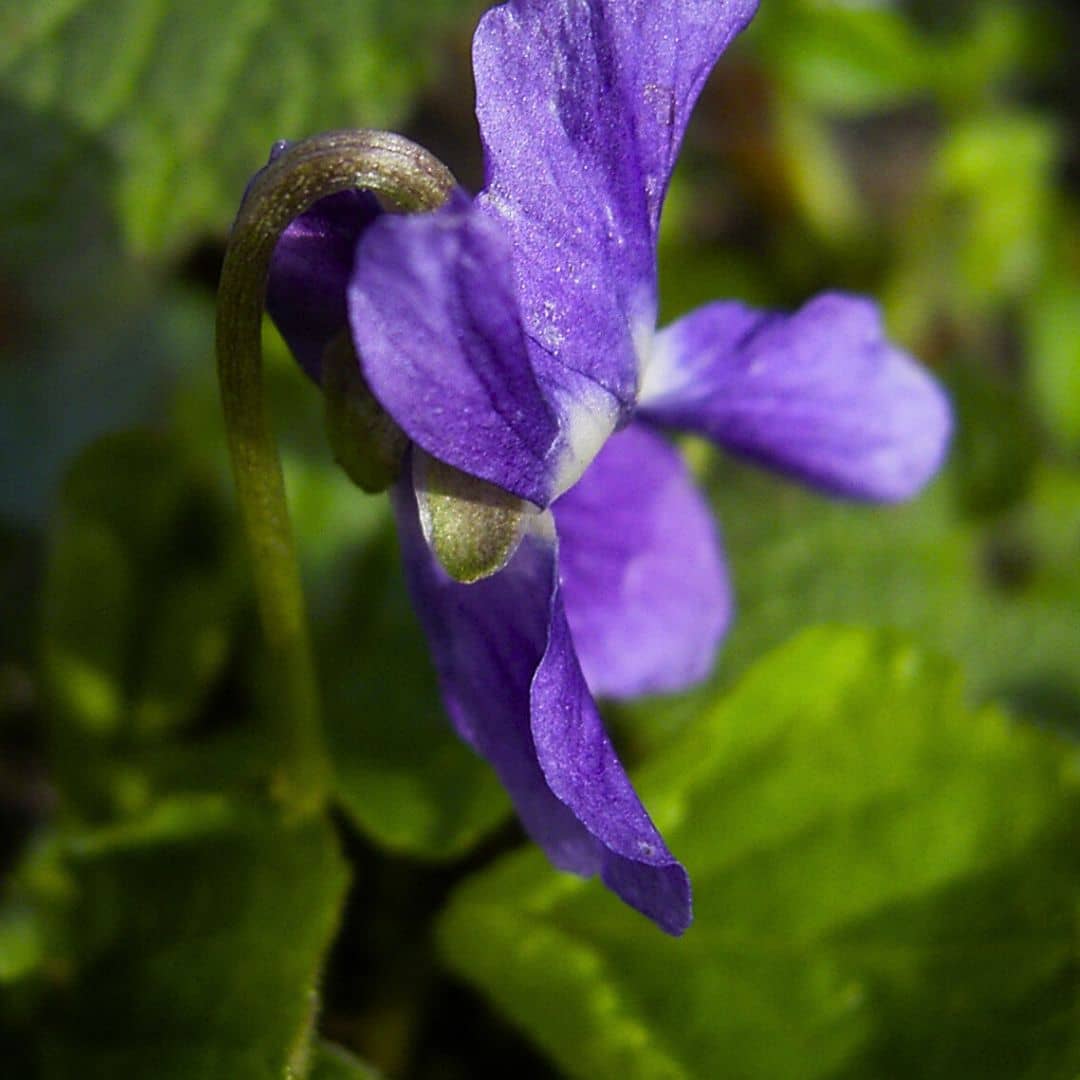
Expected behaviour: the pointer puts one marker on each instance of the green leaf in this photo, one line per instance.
(991, 43)
(842, 58)
(995, 450)
(142, 583)
(1053, 342)
(184, 99)
(813, 165)
(20, 942)
(402, 774)
(979, 232)
(196, 952)
(885, 885)
(34, 902)
(331, 1062)
(999, 170)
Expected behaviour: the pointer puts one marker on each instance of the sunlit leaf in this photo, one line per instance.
(885, 885)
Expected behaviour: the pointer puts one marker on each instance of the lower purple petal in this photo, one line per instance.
(643, 579)
(514, 690)
(821, 395)
(582, 769)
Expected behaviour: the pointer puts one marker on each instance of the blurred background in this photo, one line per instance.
(880, 817)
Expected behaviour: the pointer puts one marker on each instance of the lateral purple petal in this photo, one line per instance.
(439, 335)
(581, 768)
(582, 106)
(514, 691)
(821, 395)
(643, 578)
(309, 273)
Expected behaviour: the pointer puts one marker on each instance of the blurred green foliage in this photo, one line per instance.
(885, 864)
(191, 947)
(178, 98)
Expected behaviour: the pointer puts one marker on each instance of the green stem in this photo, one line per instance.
(305, 172)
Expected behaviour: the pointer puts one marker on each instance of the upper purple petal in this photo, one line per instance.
(582, 106)
(821, 395)
(310, 270)
(643, 579)
(513, 688)
(438, 332)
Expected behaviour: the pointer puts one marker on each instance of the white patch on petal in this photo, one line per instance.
(589, 418)
(590, 414)
(659, 372)
(643, 335)
(541, 524)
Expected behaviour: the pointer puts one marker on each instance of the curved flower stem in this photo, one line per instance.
(303, 173)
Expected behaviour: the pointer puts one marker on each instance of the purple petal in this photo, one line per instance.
(582, 106)
(581, 768)
(310, 270)
(643, 579)
(820, 395)
(437, 328)
(513, 688)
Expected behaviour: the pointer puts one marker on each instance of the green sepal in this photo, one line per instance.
(366, 442)
(472, 526)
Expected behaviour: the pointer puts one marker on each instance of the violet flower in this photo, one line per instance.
(513, 337)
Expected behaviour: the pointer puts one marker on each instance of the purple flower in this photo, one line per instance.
(513, 337)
